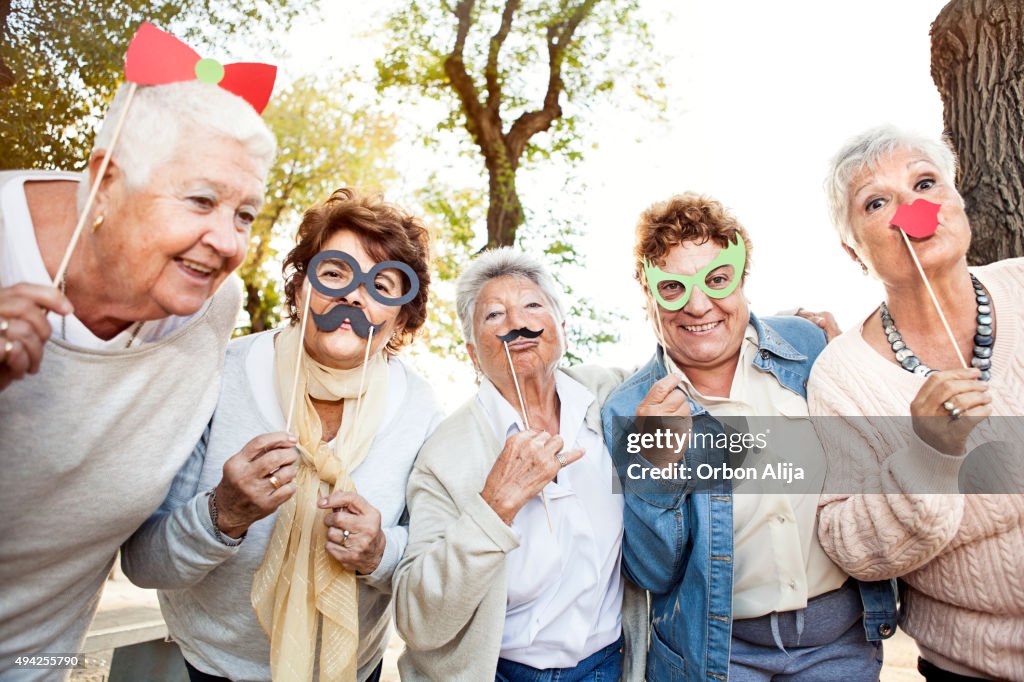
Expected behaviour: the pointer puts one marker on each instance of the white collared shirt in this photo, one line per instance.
(778, 563)
(21, 261)
(564, 585)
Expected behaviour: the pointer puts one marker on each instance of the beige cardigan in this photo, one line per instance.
(450, 589)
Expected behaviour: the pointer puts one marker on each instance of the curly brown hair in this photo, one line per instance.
(684, 218)
(386, 231)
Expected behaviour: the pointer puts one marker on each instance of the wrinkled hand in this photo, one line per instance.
(664, 399)
(246, 492)
(931, 419)
(23, 310)
(525, 465)
(364, 547)
(823, 319)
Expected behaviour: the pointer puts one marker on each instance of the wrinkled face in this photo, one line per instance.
(508, 303)
(875, 194)
(342, 348)
(706, 332)
(171, 243)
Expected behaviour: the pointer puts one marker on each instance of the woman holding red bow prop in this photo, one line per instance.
(115, 311)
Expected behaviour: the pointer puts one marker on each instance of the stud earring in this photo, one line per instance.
(96, 224)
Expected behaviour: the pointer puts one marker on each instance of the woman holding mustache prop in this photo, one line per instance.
(266, 514)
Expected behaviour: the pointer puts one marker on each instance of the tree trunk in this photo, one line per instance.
(978, 67)
(504, 210)
(257, 310)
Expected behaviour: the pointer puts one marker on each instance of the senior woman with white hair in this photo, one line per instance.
(108, 384)
(512, 570)
(958, 555)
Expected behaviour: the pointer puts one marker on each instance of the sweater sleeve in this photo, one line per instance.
(176, 547)
(451, 562)
(877, 518)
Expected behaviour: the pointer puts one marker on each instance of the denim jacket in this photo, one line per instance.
(678, 544)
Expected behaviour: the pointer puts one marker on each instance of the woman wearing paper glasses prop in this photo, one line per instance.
(901, 218)
(109, 372)
(266, 539)
(512, 570)
(740, 587)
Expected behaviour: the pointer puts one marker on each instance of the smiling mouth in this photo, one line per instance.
(697, 328)
(196, 268)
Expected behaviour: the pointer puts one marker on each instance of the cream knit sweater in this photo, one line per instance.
(961, 556)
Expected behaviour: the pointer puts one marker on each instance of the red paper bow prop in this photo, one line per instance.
(156, 57)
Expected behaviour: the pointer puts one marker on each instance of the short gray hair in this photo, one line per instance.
(503, 262)
(161, 116)
(869, 149)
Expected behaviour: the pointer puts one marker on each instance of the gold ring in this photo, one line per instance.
(344, 537)
(562, 461)
(4, 325)
(274, 482)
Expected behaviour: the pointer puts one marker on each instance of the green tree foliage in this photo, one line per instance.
(517, 78)
(327, 138)
(504, 68)
(62, 60)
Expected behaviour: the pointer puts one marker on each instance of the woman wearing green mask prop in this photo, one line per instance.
(740, 587)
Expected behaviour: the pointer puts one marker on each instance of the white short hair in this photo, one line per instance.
(867, 150)
(160, 118)
(503, 262)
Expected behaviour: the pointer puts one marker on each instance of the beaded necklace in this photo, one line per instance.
(983, 337)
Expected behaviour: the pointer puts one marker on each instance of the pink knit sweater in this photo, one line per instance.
(961, 556)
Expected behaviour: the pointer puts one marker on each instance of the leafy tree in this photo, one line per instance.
(327, 138)
(62, 60)
(519, 77)
(978, 67)
(503, 68)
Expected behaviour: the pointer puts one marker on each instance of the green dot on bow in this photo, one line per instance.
(209, 71)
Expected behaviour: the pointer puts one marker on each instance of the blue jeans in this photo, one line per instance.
(823, 642)
(605, 665)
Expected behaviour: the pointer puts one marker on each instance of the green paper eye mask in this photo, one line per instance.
(672, 291)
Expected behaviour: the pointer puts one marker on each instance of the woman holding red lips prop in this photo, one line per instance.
(958, 554)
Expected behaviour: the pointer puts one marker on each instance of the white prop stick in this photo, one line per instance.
(298, 356)
(935, 300)
(526, 422)
(97, 181)
(357, 410)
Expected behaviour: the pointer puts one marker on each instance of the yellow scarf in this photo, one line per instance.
(298, 581)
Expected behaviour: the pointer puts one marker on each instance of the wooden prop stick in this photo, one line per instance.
(97, 181)
(526, 422)
(298, 356)
(935, 300)
(661, 332)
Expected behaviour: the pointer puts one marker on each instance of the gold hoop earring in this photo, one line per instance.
(96, 224)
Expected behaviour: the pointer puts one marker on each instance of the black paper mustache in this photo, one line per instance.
(333, 318)
(523, 332)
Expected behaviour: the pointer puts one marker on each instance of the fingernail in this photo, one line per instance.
(322, 502)
(293, 438)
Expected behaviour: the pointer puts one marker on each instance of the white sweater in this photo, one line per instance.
(90, 446)
(205, 585)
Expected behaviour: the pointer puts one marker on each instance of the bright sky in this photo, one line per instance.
(760, 96)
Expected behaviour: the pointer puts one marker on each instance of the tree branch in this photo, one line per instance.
(482, 124)
(497, 40)
(560, 36)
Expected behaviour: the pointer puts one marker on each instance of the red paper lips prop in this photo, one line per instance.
(155, 57)
(919, 219)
